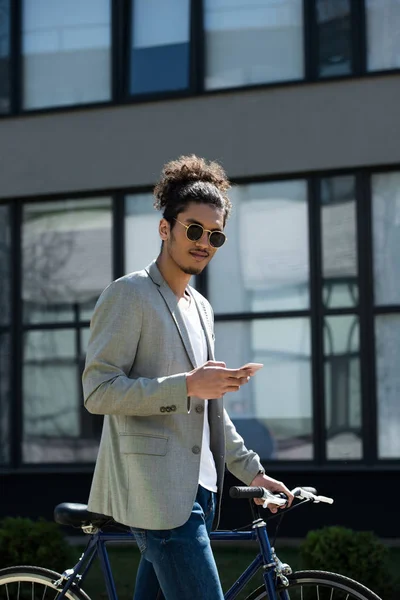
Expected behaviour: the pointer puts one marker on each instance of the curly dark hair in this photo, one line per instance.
(191, 179)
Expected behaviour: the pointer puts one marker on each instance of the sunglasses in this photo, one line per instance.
(194, 233)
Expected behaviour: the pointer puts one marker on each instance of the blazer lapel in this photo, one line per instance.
(172, 303)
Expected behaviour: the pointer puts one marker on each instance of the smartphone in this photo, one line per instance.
(252, 367)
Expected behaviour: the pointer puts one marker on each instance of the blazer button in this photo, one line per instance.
(196, 450)
(199, 409)
(163, 409)
(168, 409)
(173, 407)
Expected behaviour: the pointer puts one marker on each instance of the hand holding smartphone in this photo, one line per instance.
(252, 368)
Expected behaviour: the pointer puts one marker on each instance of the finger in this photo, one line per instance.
(231, 388)
(215, 363)
(237, 373)
(241, 381)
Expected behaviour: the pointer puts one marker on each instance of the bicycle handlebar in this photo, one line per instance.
(280, 499)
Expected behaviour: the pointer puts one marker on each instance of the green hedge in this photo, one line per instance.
(357, 554)
(27, 542)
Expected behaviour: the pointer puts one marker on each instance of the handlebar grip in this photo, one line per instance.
(246, 492)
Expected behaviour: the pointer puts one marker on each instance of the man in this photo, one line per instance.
(150, 370)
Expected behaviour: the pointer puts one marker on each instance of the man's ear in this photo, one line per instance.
(164, 229)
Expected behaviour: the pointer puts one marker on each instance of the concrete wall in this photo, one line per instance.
(271, 131)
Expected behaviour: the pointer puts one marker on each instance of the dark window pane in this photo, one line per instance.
(252, 42)
(339, 242)
(334, 37)
(387, 336)
(383, 34)
(56, 427)
(160, 45)
(4, 55)
(5, 273)
(342, 387)
(386, 237)
(66, 258)
(274, 410)
(66, 47)
(5, 397)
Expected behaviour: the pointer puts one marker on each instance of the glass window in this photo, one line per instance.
(273, 411)
(339, 242)
(334, 37)
(5, 397)
(160, 47)
(142, 241)
(54, 416)
(264, 266)
(67, 258)
(386, 237)
(66, 47)
(5, 273)
(383, 34)
(4, 56)
(342, 387)
(250, 43)
(387, 335)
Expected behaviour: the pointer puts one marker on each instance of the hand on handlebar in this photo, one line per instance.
(274, 486)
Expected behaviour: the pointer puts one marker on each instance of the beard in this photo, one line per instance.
(190, 270)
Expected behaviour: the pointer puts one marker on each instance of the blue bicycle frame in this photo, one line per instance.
(264, 560)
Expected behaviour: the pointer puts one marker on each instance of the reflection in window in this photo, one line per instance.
(383, 34)
(264, 265)
(142, 241)
(160, 45)
(53, 408)
(4, 56)
(387, 336)
(386, 237)
(339, 243)
(250, 43)
(66, 49)
(5, 397)
(334, 37)
(274, 410)
(5, 273)
(66, 258)
(342, 387)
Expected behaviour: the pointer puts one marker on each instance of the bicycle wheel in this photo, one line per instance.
(318, 585)
(33, 583)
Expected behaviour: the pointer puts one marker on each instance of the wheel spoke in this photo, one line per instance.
(331, 593)
(44, 593)
(8, 597)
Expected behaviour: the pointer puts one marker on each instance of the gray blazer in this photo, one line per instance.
(148, 464)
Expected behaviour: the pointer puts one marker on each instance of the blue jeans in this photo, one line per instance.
(178, 564)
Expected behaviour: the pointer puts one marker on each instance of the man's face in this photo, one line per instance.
(192, 257)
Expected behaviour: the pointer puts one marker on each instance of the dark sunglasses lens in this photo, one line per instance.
(194, 232)
(217, 239)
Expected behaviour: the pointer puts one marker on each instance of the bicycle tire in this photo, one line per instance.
(19, 583)
(326, 584)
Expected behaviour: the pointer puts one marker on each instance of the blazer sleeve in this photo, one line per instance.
(115, 333)
(241, 462)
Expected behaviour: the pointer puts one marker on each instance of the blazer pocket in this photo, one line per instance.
(143, 444)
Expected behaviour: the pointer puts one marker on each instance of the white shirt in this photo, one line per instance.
(208, 472)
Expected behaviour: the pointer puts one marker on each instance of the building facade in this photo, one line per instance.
(299, 100)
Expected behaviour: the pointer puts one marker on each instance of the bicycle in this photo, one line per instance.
(280, 583)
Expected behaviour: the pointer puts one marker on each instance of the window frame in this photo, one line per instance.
(316, 312)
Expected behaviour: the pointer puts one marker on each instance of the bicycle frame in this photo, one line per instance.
(97, 547)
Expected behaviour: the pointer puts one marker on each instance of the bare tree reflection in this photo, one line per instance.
(56, 282)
